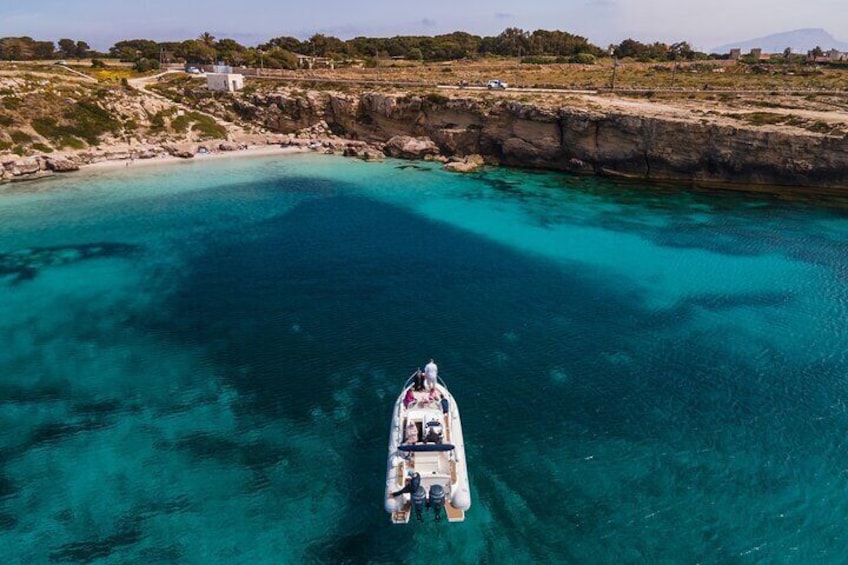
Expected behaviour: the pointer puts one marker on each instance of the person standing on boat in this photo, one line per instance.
(412, 485)
(418, 383)
(431, 374)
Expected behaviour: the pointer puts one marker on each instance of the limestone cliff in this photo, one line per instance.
(578, 138)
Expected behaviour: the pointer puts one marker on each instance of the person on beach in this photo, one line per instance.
(431, 374)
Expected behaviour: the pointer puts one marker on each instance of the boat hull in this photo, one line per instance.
(439, 462)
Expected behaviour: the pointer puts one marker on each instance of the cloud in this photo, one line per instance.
(503, 16)
(427, 22)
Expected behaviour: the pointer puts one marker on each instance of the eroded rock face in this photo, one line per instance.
(25, 167)
(576, 139)
(62, 165)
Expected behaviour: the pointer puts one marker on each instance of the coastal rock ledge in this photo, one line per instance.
(636, 141)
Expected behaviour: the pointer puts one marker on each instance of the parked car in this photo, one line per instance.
(497, 84)
(194, 70)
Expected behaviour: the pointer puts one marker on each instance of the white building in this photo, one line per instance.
(224, 82)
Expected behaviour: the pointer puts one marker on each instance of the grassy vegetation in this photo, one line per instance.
(544, 73)
(21, 138)
(762, 118)
(83, 121)
(205, 126)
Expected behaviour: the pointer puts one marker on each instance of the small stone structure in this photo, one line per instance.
(224, 82)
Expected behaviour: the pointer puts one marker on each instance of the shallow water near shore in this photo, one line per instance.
(200, 362)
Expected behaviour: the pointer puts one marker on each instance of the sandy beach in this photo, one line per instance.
(250, 151)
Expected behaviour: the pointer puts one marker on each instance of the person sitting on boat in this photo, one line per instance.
(411, 433)
(412, 485)
(409, 399)
(431, 374)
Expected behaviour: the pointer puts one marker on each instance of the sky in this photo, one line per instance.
(704, 24)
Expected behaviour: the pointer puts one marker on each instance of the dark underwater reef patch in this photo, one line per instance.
(90, 550)
(25, 264)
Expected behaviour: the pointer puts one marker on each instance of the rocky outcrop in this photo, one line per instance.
(407, 147)
(576, 139)
(467, 165)
(33, 167)
(62, 165)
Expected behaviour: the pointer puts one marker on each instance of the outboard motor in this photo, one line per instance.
(419, 498)
(437, 500)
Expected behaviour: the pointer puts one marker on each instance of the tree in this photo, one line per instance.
(25, 48)
(67, 47)
(196, 51)
(81, 49)
(512, 41)
(230, 51)
(320, 45)
(292, 44)
(132, 50)
(207, 38)
(681, 51)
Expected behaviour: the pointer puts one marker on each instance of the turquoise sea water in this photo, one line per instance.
(199, 364)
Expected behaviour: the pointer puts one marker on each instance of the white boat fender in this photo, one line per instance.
(461, 499)
(393, 504)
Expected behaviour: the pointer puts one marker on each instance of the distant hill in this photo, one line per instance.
(799, 40)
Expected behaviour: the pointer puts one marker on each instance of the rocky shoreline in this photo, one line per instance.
(614, 137)
(315, 139)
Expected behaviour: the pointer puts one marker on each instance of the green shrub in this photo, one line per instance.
(43, 148)
(204, 125)
(97, 64)
(21, 138)
(180, 124)
(143, 65)
(6, 121)
(12, 103)
(4, 145)
(583, 59)
(60, 135)
(19, 151)
(536, 60)
(763, 118)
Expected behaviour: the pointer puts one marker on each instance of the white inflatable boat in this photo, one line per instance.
(426, 470)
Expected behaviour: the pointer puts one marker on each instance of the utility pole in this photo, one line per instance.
(614, 67)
